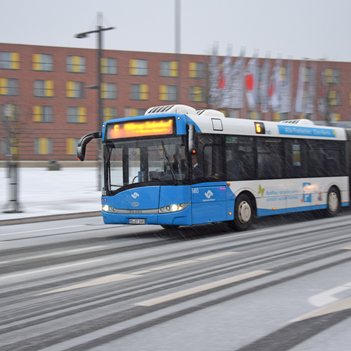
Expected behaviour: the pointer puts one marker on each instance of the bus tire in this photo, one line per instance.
(333, 202)
(169, 227)
(243, 212)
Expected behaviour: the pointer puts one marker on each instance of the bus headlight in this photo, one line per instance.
(108, 208)
(173, 208)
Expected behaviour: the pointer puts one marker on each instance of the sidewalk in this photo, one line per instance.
(70, 192)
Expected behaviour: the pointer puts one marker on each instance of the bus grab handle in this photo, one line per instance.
(83, 143)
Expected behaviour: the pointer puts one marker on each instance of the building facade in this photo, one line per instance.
(48, 95)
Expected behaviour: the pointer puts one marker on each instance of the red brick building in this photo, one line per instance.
(47, 105)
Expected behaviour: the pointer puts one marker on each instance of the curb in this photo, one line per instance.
(49, 218)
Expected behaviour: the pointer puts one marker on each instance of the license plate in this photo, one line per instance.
(137, 221)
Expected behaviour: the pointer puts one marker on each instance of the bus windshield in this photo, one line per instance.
(144, 162)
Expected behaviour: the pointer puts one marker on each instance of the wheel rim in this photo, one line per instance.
(333, 201)
(244, 212)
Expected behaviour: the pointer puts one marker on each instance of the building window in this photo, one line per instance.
(196, 70)
(138, 67)
(335, 117)
(132, 112)
(108, 65)
(76, 114)
(44, 88)
(109, 113)
(71, 145)
(75, 90)
(254, 115)
(332, 76)
(139, 92)
(9, 60)
(168, 92)
(42, 114)
(108, 91)
(43, 146)
(308, 75)
(334, 98)
(42, 62)
(169, 69)
(75, 64)
(10, 112)
(197, 94)
(8, 86)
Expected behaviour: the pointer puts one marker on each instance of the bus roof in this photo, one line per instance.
(214, 122)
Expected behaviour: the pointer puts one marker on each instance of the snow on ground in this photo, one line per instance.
(42, 192)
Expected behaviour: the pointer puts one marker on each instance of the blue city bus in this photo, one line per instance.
(175, 166)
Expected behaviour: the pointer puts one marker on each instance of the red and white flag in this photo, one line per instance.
(299, 103)
(237, 82)
(274, 87)
(310, 91)
(285, 90)
(322, 99)
(251, 80)
(264, 88)
(214, 73)
(225, 76)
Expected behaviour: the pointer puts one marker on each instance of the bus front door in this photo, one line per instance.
(209, 202)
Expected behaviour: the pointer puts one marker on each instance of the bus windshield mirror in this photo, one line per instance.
(81, 147)
(192, 138)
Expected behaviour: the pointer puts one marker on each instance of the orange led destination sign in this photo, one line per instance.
(140, 128)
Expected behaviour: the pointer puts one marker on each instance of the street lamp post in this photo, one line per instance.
(99, 30)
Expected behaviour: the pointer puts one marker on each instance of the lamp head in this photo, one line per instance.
(81, 35)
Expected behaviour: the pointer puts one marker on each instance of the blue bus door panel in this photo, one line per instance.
(209, 203)
(170, 195)
(137, 199)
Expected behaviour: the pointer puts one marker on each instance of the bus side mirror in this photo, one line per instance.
(83, 143)
(193, 138)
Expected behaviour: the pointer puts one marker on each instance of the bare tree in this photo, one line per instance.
(14, 127)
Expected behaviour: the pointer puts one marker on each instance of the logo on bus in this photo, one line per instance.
(135, 204)
(135, 195)
(208, 194)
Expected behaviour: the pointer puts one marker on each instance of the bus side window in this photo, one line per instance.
(295, 159)
(269, 158)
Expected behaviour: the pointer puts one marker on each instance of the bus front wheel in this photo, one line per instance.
(333, 202)
(243, 212)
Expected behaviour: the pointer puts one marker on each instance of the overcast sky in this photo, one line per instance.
(311, 29)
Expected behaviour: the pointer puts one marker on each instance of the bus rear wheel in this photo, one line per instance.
(333, 202)
(243, 212)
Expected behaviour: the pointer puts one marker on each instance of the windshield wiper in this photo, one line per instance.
(168, 162)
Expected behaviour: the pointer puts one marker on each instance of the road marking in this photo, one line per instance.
(49, 269)
(253, 232)
(42, 230)
(107, 279)
(215, 256)
(201, 288)
(159, 268)
(326, 297)
(335, 307)
(117, 277)
(55, 254)
(140, 272)
(171, 265)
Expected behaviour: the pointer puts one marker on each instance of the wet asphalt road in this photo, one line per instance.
(77, 284)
